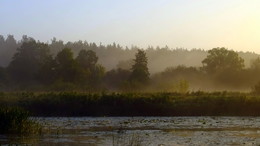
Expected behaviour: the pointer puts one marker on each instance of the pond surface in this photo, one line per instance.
(121, 131)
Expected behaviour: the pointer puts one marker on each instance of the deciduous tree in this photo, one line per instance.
(221, 59)
(27, 61)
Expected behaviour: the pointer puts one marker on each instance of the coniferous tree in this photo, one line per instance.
(140, 72)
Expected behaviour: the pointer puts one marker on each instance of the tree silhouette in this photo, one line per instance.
(221, 59)
(255, 64)
(7, 49)
(91, 73)
(116, 77)
(27, 61)
(66, 67)
(87, 59)
(140, 71)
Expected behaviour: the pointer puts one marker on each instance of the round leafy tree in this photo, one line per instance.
(221, 59)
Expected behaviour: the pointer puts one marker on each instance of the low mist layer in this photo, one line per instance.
(30, 65)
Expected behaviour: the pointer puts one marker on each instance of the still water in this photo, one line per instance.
(121, 131)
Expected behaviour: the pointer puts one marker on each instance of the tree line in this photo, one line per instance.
(36, 66)
(159, 57)
(33, 67)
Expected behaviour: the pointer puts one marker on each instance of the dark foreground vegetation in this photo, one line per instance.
(15, 120)
(134, 104)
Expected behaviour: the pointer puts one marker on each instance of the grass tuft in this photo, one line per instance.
(16, 121)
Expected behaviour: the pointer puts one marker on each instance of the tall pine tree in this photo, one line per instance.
(140, 72)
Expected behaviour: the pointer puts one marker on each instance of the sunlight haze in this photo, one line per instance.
(187, 24)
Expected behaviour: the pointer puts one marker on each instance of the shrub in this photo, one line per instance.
(256, 88)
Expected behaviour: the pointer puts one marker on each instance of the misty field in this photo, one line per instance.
(134, 104)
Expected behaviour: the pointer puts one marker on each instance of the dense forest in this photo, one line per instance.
(32, 65)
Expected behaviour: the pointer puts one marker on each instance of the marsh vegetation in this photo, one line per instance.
(16, 121)
(134, 104)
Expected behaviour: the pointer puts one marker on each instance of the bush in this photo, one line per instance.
(256, 88)
(16, 121)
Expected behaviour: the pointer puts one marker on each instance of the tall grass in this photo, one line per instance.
(16, 121)
(135, 104)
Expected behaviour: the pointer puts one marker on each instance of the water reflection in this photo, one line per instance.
(19, 140)
(119, 131)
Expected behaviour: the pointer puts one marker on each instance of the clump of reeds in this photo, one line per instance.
(16, 121)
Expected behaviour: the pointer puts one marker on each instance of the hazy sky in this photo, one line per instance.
(177, 23)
